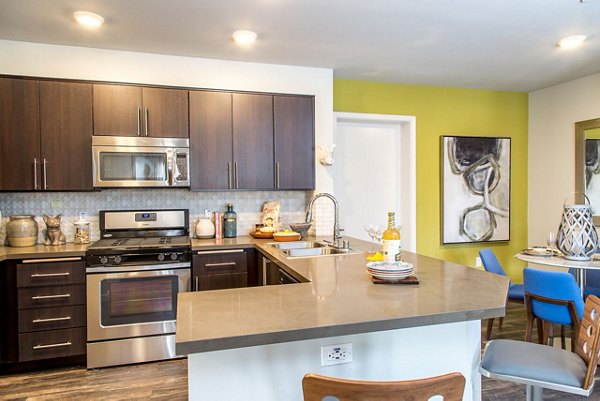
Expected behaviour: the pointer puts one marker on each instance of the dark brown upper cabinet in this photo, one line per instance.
(19, 134)
(45, 135)
(251, 141)
(128, 110)
(253, 165)
(66, 135)
(294, 142)
(211, 140)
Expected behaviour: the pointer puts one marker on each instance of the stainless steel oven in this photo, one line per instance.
(140, 162)
(133, 276)
(135, 309)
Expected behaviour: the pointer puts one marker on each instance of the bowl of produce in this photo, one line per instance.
(286, 236)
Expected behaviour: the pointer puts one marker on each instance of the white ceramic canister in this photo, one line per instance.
(205, 228)
(22, 231)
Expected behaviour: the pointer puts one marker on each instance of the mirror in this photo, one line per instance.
(587, 159)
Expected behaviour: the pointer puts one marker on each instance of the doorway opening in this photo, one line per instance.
(375, 173)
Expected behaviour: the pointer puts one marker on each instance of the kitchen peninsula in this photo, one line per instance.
(257, 343)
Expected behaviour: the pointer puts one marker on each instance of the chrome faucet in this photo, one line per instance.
(337, 243)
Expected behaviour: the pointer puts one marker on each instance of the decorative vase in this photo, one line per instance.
(577, 238)
(22, 231)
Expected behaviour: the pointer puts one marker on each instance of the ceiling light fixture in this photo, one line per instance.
(88, 19)
(244, 37)
(571, 42)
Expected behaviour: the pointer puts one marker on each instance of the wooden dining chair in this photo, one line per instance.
(540, 366)
(450, 386)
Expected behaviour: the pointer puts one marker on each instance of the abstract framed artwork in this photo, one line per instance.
(475, 189)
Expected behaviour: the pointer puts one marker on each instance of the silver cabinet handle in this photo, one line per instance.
(51, 296)
(147, 128)
(52, 319)
(40, 346)
(276, 174)
(222, 251)
(139, 121)
(45, 168)
(38, 275)
(35, 177)
(50, 260)
(229, 175)
(235, 175)
(196, 283)
(220, 264)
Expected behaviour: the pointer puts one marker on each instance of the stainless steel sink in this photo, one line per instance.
(282, 246)
(323, 251)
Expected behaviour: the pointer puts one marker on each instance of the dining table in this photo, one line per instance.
(556, 259)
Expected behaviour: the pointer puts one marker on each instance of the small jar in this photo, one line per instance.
(82, 232)
(22, 231)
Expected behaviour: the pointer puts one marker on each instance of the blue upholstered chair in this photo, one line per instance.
(515, 291)
(539, 366)
(592, 281)
(551, 297)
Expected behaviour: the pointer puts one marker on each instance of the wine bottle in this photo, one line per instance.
(230, 222)
(391, 240)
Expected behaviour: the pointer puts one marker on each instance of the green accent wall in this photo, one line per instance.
(452, 111)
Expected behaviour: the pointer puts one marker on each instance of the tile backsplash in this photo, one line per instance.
(248, 206)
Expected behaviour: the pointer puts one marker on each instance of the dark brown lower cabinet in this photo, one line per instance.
(43, 314)
(222, 269)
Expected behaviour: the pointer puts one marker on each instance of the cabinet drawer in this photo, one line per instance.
(221, 281)
(62, 317)
(220, 263)
(55, 273)
(57, 295)
(52, 344)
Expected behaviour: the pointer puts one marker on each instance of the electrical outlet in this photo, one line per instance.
(56, 203)
(478, 262)
(336, 354)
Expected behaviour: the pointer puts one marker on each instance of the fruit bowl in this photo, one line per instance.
(286, 236)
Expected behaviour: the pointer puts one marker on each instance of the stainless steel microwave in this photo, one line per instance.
(140, 162)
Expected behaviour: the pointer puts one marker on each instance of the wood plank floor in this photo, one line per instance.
(168, 380)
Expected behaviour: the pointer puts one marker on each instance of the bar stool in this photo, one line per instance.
(450, 386)
(540, 366)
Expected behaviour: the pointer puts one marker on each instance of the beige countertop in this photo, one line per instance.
(338, 299)
(42, 251)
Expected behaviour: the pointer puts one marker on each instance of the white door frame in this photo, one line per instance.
(408, 130)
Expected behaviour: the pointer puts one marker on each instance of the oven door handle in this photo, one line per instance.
(127, 269)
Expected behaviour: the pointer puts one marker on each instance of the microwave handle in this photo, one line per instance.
(170, 172)
(173, 168)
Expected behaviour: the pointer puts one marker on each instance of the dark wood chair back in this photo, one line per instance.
(450, 386)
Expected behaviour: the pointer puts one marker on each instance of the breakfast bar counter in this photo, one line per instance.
(258, 342)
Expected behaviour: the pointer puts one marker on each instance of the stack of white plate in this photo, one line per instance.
(390, 270)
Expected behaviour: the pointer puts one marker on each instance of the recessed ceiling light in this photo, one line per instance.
(88, 19)
(571, 42)
(244, 37)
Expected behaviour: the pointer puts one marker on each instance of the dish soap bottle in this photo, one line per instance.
(391, 240)
(230, 222)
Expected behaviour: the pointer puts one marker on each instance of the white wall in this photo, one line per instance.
(41, 60)
(552, 115)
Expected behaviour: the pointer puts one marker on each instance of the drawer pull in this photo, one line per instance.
(220, 264)
(52, 319)
(222, 251)
(37, 297)
(40, 346)
(38, 275)
(50, 260)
